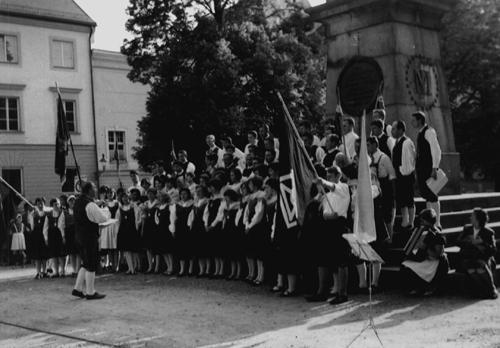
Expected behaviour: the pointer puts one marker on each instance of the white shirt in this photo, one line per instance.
(350, 142)
(336, 201)
(408, 157)
(190, 168)
(316, 140)
(431, 137)
(259, 211)
(320, 154)
(384, 165)
(95, 214)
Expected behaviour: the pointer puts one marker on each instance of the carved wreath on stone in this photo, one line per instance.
(422, 82)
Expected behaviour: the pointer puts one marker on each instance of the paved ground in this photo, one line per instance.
(156, 311)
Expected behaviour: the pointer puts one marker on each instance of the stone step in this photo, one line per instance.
(394, 256)
(461, 218)
(463, 202)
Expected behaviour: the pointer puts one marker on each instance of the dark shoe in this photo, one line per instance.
(95, 296)
(316, 298)
(257, 283)
(338, 300)
(277, 289)
(289, 293)
(77, 293)
(38, 276)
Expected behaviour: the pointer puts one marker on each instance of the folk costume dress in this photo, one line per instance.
(53, 232)
(181, 233)
(18, 242)
(109, 233)
(255, 224)
(38, 248)
(165, 220)
(197, 233)
(424, 268)
(230, 233)
(128, 238)
(149, 228)
(212, 218)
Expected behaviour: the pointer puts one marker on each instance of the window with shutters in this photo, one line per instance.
(62, 54)
(70, 107)
(9, 52)
(116, 139)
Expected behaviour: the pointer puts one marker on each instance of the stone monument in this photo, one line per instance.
(402, 37)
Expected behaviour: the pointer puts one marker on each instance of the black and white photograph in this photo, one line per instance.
(249, 173)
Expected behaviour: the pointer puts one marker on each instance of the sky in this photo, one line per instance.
(111, 17)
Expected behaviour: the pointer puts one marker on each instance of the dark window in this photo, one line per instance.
(116, 138)
(70, 107)
(14, 176)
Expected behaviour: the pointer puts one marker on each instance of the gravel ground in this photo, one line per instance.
(156, 311)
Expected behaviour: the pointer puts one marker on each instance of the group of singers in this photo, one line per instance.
(221, 222)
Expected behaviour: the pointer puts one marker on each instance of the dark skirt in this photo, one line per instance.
(259, 242)
(182, 246)
(165, 241)
(38, 250)
(70, 245)
(149, 234)
(128, 238)
(332, 249)
(55, 243)
(235, 240)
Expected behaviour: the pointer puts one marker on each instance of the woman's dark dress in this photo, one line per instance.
(128, 238)
(230, 234)
(165, 243)
(198, 235)
(181, 235)
(39, 250)
(55, 240)
(150, 229)
(214, 235)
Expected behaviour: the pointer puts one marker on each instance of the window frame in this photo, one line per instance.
(108, 143)
(68, 94)
(52, 39)
(8, 96)
(18, 48)
(21, 170)
(76, 129)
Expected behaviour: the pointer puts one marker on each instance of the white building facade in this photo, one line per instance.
(47, 41)
(119, 105)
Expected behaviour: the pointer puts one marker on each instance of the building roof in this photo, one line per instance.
(65, 11)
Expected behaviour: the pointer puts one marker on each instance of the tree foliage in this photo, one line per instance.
(471, 58)
(214, 66)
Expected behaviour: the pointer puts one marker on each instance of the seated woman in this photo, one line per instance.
(426, 266)
(477, 250)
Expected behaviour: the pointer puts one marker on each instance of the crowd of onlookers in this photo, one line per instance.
(218, 219)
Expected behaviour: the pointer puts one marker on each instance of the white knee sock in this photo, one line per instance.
(80, 279)
(89, 282)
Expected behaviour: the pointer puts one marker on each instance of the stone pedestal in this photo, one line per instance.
(403, 37)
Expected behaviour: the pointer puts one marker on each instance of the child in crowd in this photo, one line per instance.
(18, 242)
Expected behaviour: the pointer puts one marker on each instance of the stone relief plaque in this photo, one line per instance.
(422, 82)
(359, 85)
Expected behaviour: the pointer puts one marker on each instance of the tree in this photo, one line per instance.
(471, 51)
(214, 66)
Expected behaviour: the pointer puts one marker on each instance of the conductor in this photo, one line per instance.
(88, 216)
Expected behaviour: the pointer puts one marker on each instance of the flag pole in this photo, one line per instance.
(69, 137)
(15, 191)
(342, 123)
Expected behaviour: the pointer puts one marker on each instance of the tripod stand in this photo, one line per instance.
(365, 252)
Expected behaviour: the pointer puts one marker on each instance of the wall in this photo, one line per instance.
(119, 105)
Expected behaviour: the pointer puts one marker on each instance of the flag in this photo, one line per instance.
(62, 137)
(297, 172)
(380, 105)
(116, 154)
(9, 202)
(364, 214)
(172, 152)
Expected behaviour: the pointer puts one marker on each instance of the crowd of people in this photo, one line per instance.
(218, 220)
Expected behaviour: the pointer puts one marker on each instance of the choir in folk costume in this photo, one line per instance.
(227, 219)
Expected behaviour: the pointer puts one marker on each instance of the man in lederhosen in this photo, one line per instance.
(382, 166)
(88, 216)
(428, 160)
